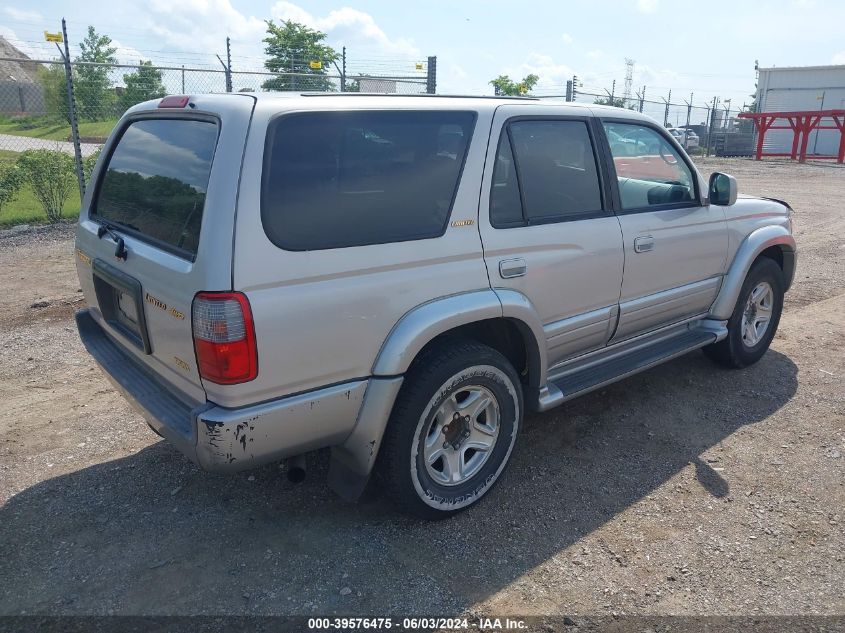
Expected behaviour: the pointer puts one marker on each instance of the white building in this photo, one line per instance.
(801, 88)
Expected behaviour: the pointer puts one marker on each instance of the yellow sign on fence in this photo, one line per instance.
(316, 65)
(53, 37)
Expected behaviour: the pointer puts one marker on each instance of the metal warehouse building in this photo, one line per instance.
(795, 89)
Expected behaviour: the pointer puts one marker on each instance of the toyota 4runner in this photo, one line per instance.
(401, 278)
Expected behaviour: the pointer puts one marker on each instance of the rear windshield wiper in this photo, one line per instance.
(120, 246)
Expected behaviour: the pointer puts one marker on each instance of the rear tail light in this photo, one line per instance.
(224, 337)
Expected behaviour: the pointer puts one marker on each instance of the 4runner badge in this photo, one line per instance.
(463, 222)
(156, 302)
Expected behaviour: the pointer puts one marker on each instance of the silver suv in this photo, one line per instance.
(401, 278)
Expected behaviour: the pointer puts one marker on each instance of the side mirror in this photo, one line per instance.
(722, 190)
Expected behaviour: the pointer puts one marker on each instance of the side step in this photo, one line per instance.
(597, 371)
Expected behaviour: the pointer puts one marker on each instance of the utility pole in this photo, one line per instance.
(228, 65)
(183, 78)
(666, 112)
(689, 108)
(641, 96)
(727, 114)
(341, 70)
(431, 75)
(227, 68)
(710, 138)
(612, 91)
(71, 105)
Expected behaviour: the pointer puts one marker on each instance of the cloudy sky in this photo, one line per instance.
(708, 48)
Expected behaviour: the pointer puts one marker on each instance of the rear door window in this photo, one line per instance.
(155, 181)
(545, 171)
(341, 179)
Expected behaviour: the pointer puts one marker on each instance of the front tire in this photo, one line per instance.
(755, 318)
(452, 429)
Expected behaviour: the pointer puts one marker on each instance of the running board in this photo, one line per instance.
(611, 364)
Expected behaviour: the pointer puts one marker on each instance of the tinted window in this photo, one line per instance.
(505, 203)
(156, 180)
(556, 169)
(338, 179)
(650, 171)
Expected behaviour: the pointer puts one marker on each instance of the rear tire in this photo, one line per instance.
(452, 429)
(755, 318)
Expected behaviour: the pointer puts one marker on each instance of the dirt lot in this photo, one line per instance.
(684, 490)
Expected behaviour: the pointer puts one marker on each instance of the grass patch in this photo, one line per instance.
(54, 131)
(25, 209)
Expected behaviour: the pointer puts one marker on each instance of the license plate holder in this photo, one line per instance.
(121, 303)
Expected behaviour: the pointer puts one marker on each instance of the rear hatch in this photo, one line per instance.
(157, 225)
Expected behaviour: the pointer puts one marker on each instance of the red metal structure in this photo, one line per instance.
(801, 124)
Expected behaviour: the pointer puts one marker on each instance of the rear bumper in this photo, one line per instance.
(220, 439)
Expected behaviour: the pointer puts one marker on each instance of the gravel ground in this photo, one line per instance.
(687, 489)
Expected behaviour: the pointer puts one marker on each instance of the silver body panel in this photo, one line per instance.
(337, 329)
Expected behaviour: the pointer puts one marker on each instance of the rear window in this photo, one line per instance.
(340, 179)
(156, 179)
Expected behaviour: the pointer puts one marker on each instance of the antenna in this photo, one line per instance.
(629, 79)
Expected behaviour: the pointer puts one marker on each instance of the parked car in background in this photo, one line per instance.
(401, 278)
(685, 137)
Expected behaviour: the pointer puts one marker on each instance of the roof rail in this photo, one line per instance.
(382, 94)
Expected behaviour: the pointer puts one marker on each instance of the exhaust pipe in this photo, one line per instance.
(297, 469)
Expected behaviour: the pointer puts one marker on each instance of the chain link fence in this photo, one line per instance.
(34, 105)
(712, 129)
(36, 130)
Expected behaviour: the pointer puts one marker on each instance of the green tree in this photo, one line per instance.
(54, 87)
(290, 48)
(142, 85)
(52, 178)
(11, 180)
(505, 86)
(616, 102)
(94, 97)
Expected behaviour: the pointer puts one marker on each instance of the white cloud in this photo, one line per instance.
(645, 74)
(567, 38)
(553, 75)
(647, 6)
(204, 25)
(22, 14)
(128, 54)
(348, 27)
(31, 50)
(839, 58)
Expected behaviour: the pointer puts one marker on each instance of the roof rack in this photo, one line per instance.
(382, 94)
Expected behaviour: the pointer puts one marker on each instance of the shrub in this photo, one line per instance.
(11, 180)
(52, 176)
(88, 165)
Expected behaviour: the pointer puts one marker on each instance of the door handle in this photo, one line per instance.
(643, 244)
(509, 268)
